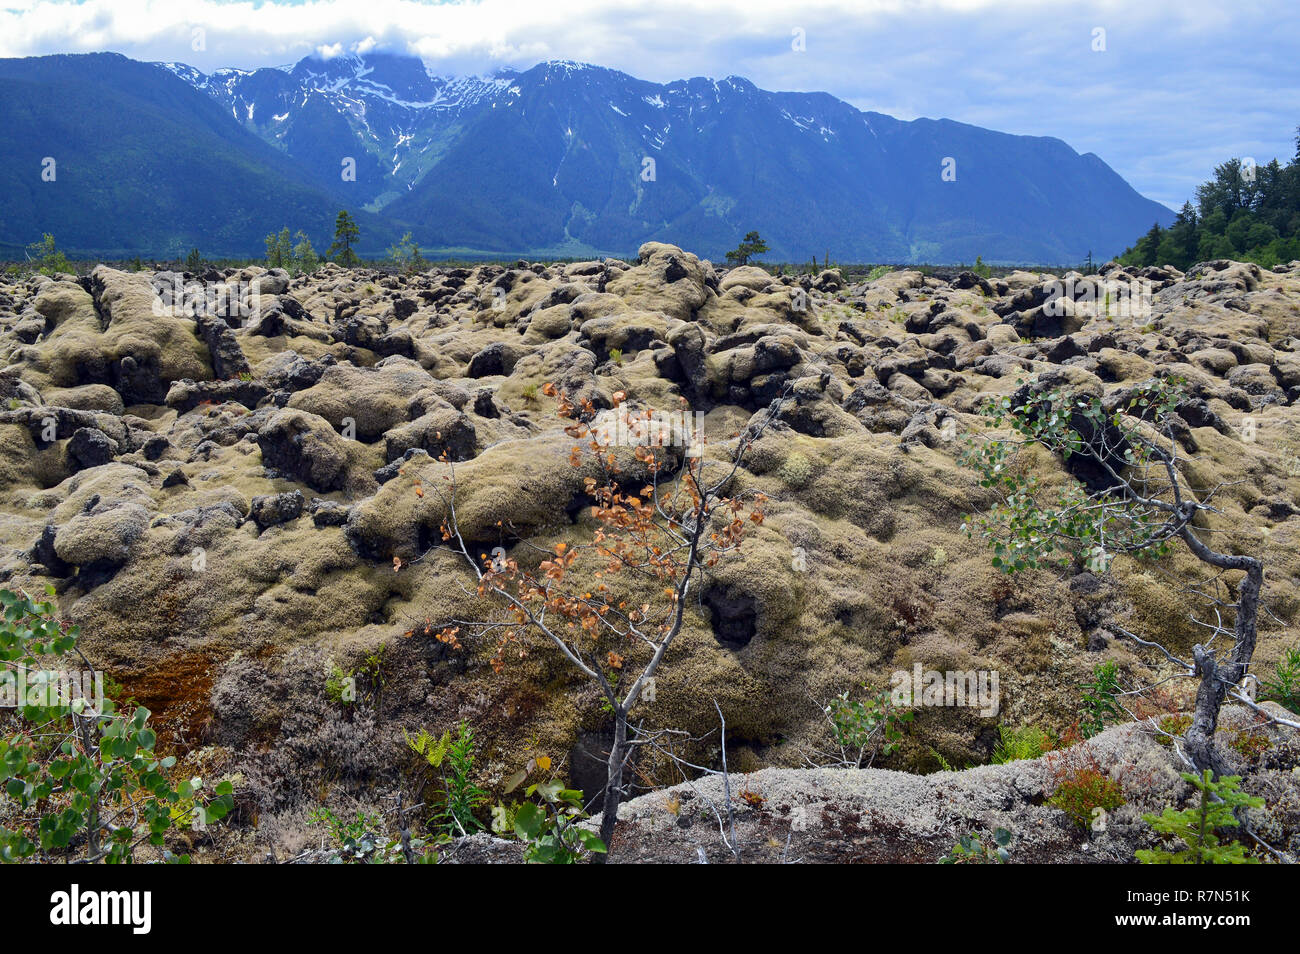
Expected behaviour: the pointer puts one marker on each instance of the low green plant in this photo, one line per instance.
(83, 782)
(530, 393)
(548, 826)
(372, 669)
(1251, 745)
(945, 765)
(355, 839)
(867, 728)
(453, 757)
(878, 272)
(616, 355)
(361, 840)
(1283, 687)
(973, 850)
(1027, 742)
(340, 685)
(1198, 826)
(363, 684)
(1099, 699)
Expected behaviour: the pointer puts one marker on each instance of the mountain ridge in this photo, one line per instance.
(569, 158)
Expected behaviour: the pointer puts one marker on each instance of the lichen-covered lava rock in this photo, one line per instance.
(221, 499)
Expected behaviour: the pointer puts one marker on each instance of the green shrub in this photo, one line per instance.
(1197, 826)
(406, 255)
(874, 725)
(548, 827)
(363, 684)
(1175, 725)
(83, 781)
(45, 257)
(1099, 699)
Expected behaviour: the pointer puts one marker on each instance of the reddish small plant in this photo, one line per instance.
(1081, 786)
(1082, 793)
(754, 800)
(613, 602)
(1251, 745)
(1174, 726)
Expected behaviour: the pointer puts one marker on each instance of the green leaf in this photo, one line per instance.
(592, 841)
(550, 790)
(529, 821)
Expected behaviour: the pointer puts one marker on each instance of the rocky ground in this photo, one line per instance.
(220, 498)
(873, 816)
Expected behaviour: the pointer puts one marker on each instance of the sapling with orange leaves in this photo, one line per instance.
(613, 602)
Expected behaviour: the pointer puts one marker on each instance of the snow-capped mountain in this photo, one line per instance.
(390, 110)
(572, 156)
(565, 159)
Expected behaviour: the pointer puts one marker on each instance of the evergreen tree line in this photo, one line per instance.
(1247, 212)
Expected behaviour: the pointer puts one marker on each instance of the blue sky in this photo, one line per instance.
(1177, 88)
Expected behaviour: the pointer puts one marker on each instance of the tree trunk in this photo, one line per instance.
(613, 784)
(86, 731)
(1215, 678)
